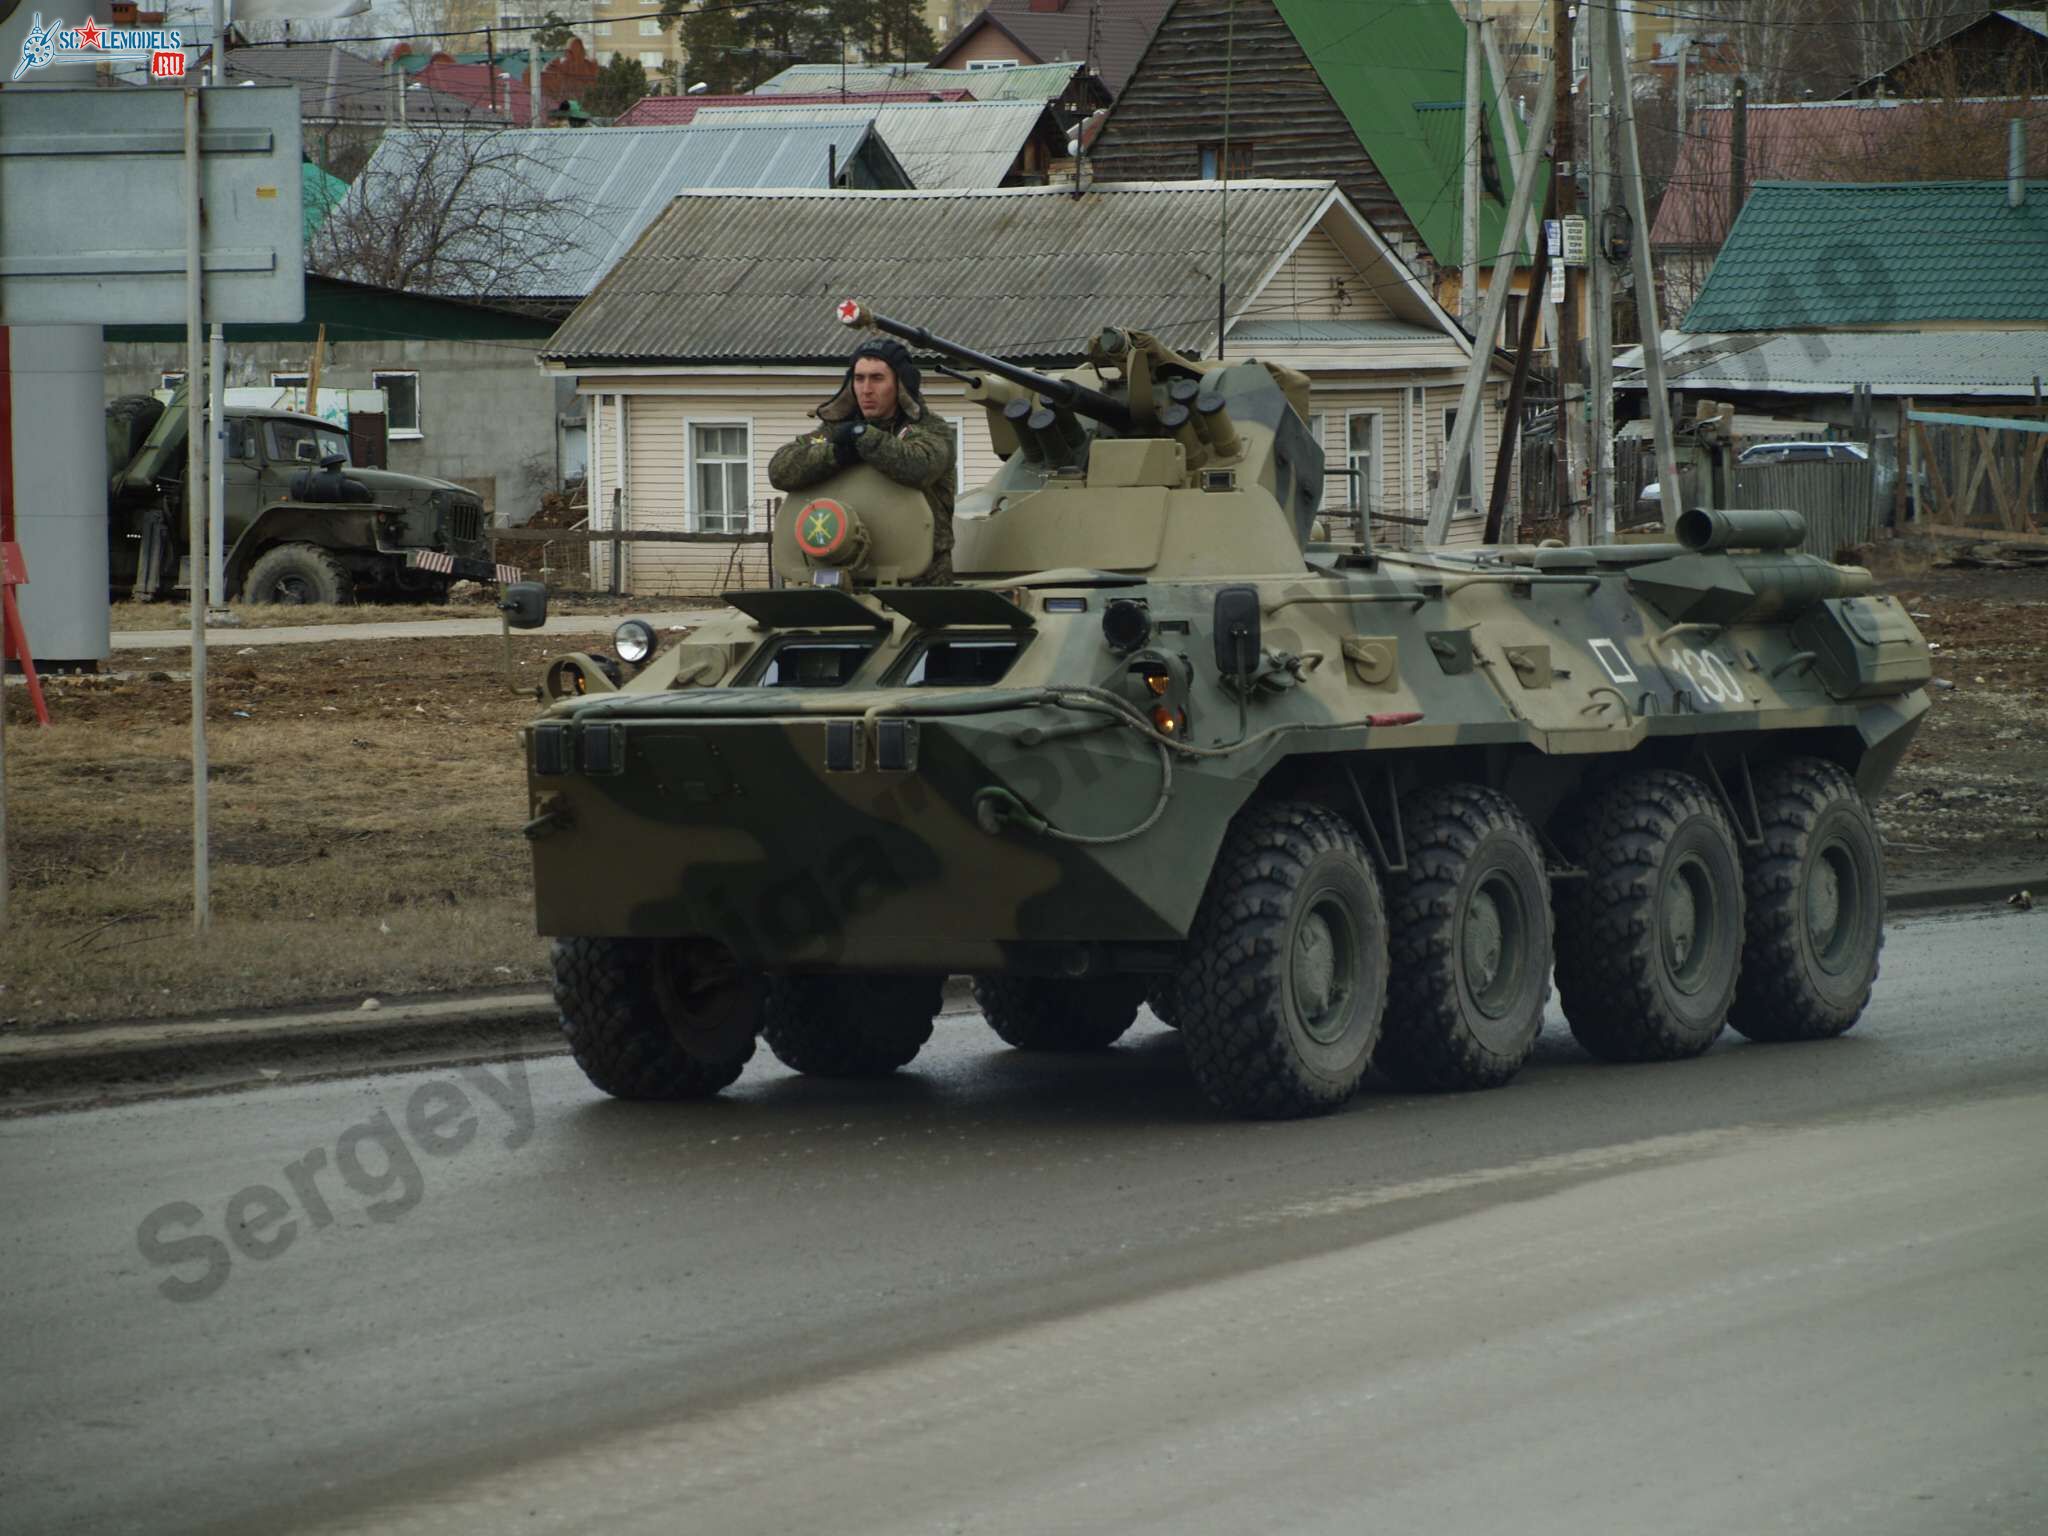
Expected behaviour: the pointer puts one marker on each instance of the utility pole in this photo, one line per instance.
(1571, 438)
(1468, 285)
(216, 398)
(1468, 237)
(533, 77)
(1738, 151)
(491, 70)
(1684, 53)
(1600, 344)
(1647, 321)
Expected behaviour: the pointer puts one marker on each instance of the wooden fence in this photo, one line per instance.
(1838, 500)
(724, 562)
(1969, 471)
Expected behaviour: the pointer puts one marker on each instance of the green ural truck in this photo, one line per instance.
(303, 525)
(1322, 806)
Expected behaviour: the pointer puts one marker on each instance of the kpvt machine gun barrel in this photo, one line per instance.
(1056, 392)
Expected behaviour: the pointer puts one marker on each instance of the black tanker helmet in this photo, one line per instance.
(909, 381)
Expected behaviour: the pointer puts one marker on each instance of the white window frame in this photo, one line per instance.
(650, 27)
(604, 29)
(650, 61)
(291, 380)
(419, 415)
(171, 378)
(981, 64)
(1366, 489)
(959, 425)
(1468, 504)
(693, 515)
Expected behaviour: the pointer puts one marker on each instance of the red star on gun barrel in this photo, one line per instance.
(89, 35)
(849, 311)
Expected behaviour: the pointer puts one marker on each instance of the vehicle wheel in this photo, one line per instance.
(1470, 935)
(297, 573)
(850, 1025)
(1040, 1013)
(1649, 941)
(1287, 972)
(627, 1013)
(1815, 906)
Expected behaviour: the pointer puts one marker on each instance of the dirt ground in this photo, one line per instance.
(366, 799)
(468, 601)
(1973, 791)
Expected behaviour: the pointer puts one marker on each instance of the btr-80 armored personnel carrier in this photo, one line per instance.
(1321, 806)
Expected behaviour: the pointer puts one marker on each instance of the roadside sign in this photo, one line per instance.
(93, 182)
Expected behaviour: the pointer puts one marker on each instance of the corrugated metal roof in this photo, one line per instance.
(609, 184)
(939, 144)
(671, 111)
(1835, 362)
(1814, 254)
(1333, 331)
(1025, 272)
(1030, 82)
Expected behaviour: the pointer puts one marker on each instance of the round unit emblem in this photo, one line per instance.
(821, 527)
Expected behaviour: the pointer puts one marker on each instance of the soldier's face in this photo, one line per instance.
(874, 388)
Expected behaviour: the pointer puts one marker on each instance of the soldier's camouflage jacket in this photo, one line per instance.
(915, 449)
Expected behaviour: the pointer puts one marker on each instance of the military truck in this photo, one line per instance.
(303, 524)
(1321, 805)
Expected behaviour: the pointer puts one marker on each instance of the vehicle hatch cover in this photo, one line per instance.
(806, 608)
(939, 607)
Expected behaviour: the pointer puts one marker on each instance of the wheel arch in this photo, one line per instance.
(344, 532)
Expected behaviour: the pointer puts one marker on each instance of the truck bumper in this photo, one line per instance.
(461, 567)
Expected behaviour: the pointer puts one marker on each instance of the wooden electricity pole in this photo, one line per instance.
(1571, 432)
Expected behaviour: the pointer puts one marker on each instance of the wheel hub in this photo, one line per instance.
(1484, 943)
(1823, 902)
(1688, 923)
(1319, 970)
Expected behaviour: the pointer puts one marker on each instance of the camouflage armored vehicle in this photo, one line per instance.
(303, 524)
(1322, 806)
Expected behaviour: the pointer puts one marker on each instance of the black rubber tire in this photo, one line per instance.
(1258, 1045)
(1625, 994)
(1819, 841)
(1047, 1013)
(1475, 882)
(850, 1025)
(608, 995)
(297, 573)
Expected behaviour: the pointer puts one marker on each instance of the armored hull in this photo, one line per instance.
(1317, 804)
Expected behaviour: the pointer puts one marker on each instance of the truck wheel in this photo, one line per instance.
(1815, 906)
(1649, 941)
(1287, 965)
(850, 1026)
(1039, 1013)
(297, 573)
(620, 1015)
(1471, 943)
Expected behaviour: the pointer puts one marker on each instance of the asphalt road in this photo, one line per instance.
(1780, 1288)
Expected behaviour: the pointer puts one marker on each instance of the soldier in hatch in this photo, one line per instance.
(878, 416)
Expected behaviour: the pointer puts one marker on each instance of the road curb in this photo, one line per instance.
(72, 1064)
(130, 1059)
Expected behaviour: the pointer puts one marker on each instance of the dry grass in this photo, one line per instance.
(365, 802)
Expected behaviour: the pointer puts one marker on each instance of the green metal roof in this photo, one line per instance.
(320, 195)
(1807, 255)
(1391, 69)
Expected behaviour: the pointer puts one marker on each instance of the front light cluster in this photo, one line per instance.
(634, 640)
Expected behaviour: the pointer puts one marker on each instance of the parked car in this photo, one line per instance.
(1778, 453)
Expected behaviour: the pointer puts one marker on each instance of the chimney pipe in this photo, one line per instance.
(2016, 164)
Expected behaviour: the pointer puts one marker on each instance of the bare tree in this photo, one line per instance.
(459, 212)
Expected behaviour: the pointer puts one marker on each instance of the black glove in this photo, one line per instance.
(845, 442)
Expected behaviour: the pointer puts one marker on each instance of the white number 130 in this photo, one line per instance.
(1711, 678)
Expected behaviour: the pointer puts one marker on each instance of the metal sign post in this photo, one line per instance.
(220, 163)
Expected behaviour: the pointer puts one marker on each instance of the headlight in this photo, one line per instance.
(634, 641)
